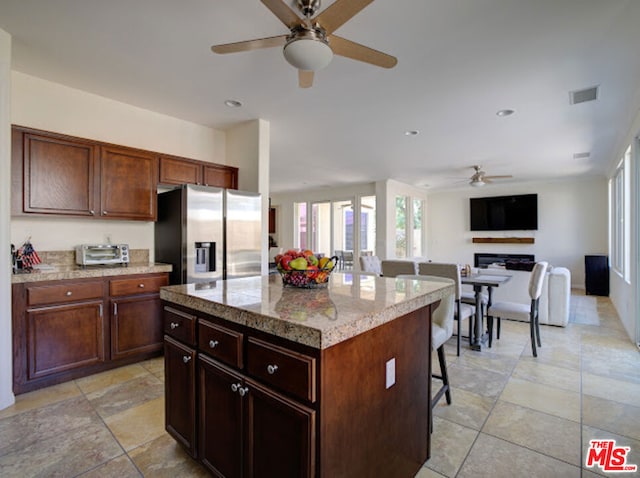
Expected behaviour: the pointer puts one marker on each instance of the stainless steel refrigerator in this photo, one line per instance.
(209, 233)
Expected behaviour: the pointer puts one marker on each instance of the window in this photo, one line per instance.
(320, 240)
(368, 225)
(416, 237)
(401, 226)
(300, 225)
(620, 192)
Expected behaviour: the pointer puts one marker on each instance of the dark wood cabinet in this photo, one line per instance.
(272, 220)
(177, 171)
(180, 393)
(59, 175)
(68, 329)
(596, 274)
(65, 337)
(128, 183)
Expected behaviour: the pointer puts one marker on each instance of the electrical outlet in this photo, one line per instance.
(391, 373)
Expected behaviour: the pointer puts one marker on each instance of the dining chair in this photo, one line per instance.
(347, 259)
(340, 255)
(519, 311)
(462, 311)
(442, 319)
(370, 264)
(395, 267)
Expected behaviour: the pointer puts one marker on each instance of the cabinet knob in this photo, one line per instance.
(243, 391)
(186, 358)
(104, 213)
(69, 293)
(141, 286)
(92, 212)
(235, 387)
(213, 343)
(272, 369)
(174, 325)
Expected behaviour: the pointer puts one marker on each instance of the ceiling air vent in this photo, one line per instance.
(581, 155)
(582, 96)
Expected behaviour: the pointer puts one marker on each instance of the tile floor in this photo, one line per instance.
(512, 415)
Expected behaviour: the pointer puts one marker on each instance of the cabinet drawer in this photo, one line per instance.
(140, 285)
(180, 325)
(75, 291)
(220, 342)
(283, 369)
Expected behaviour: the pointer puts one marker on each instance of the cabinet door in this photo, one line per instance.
(220, 176)
(136, 326)
(180, 393)
(220, 419)
(59, 175)
(61, 338)
(280, 435)
(128, 183)
(179, 171)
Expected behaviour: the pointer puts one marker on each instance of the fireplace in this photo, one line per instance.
(510, 261)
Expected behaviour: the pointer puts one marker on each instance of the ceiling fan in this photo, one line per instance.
(310, 44)
(480, 178)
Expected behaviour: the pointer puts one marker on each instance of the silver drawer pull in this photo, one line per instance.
(243, 391)
(272, 369)
(235, 387)
(174, 325)
(186, 358)
(141, 286)
(213, 343)
(68, 293)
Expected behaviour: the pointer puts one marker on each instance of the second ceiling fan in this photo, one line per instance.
(310, 44)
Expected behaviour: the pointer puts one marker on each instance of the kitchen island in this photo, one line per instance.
(263, 380)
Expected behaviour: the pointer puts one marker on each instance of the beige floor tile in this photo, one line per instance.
(154, 365)
(494, 458)
(611, 416)
(99, 381)
(546, 434)
(117, 398)
(41, 398)
(450, 444)
(163, 457)
(138, 425)
(489, 360)
(611, 389)
(610, 357)
(558, 356)
(543, 398)
(467, 408)
(483, 382)
(540, 372)
(428, 473)
(64, 454)
(120, 467)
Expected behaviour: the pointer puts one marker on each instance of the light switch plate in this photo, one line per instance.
(391, 373)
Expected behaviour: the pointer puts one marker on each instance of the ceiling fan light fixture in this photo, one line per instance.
(307, 50)
(477, 184)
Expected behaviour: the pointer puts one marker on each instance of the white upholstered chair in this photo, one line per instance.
(395, 267)
(462, 311)
(370, 264)
(441, 330)
(518, 311)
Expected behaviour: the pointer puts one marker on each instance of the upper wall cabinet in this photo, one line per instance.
(175, 170)
(63, 175)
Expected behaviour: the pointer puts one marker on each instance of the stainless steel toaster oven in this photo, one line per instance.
(102, 254)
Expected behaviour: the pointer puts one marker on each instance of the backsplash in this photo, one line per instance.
(68, 258)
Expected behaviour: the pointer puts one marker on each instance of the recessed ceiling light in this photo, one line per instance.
(413, 132)
(502, 113)
(233, 103)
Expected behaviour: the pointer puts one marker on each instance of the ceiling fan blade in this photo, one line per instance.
(250, 45)
(305, 78)
(355, 51)
(499, 177)
(283, 12)
(339, 13)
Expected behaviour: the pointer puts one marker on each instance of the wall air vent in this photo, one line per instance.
(581, 155)
(582, 96)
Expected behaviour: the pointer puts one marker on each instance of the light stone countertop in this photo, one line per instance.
(351, 304)
(62, 272)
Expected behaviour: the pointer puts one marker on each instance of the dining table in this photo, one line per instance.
(478, 281)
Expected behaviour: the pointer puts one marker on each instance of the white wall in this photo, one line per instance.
(6, 354)
(53, 107)
(625, 296)
(572, 222)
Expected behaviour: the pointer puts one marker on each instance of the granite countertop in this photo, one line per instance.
(61, 272)
(351, 304)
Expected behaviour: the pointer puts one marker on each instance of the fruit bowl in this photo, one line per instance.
(316, 275)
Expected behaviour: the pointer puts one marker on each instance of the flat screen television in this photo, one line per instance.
(504, 213)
